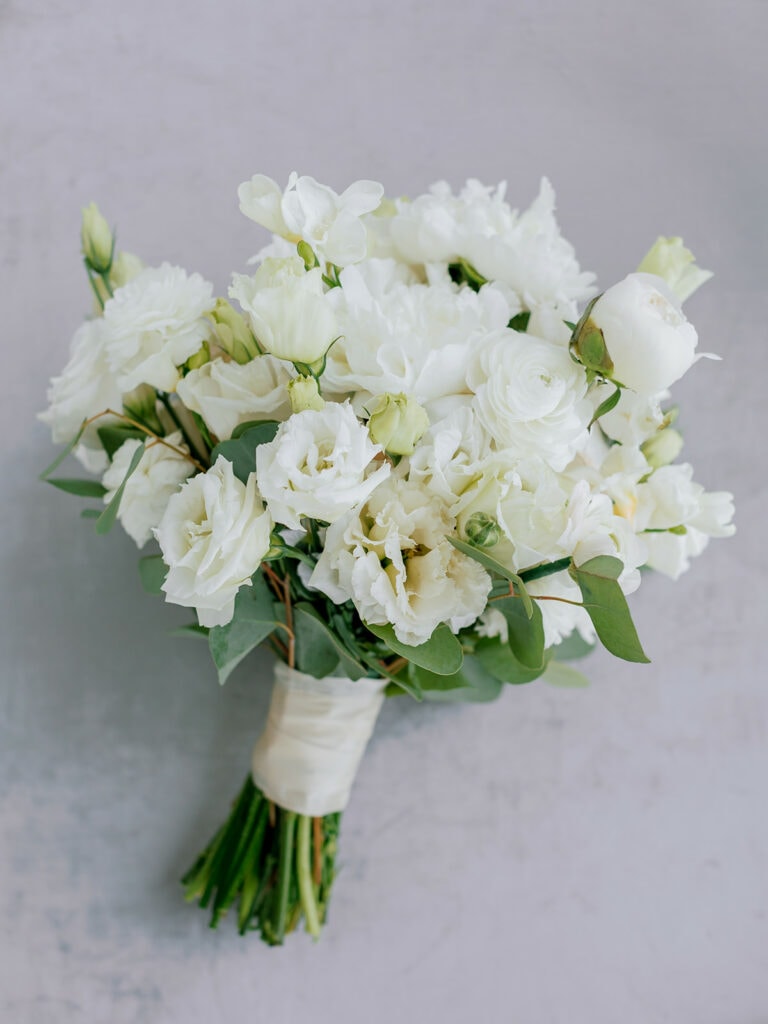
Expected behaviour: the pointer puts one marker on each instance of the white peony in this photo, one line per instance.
(530, 397)
(646, 333)
(307, 210)
(154, 323)
(392, 559)
(319, 465)
(213, 536)
(288, 310)
(226, 394)
(85, 387)
(148, 490)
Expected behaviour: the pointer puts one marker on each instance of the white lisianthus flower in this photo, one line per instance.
(307, 210)
(451, 455)
(392, 559)
(148, 490)
(318, 465)
(226, 394)
(154, 324)
(288, 310)
(646, 333)
(671, 553)
(669, 259)
(85, 387)
(213, 536)
(561, 619)
(670, 498)
(530, 397)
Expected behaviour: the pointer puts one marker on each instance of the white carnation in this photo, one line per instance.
(154, 323)
(159, 474)
(226, 394)
(392, 559)
(530, 397)
(307, 210)
(85, 387)
(213, 536)
(318, 465)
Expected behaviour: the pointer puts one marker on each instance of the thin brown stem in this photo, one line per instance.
(289, 622)
(145, 430)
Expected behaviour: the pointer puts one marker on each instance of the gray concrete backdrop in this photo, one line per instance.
(559, 858)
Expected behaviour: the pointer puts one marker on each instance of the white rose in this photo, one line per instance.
(158, 475)
(226, 394)
(669, 259)
(154, 323)
(307, 210)
(393, 561)
(85, 387)
(646, 333)
(318, 465)
(288, 310)
(530, 397)
(213, 536)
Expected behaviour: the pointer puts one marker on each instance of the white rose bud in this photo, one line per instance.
(96, 239)
(649, 340)
(213, 536)
(669, 259)
(397, 423)
(288, 310)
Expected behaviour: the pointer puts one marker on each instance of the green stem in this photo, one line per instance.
(304, 870)
(287, 830)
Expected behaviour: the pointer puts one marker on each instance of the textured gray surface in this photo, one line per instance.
(594, 856)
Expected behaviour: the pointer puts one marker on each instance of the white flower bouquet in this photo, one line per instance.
(421, 458)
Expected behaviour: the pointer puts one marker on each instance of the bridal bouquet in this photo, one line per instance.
(415, 454)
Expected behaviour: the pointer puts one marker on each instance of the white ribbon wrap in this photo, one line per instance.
(316, 734)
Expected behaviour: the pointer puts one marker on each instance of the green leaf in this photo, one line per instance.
(605, 406)
(241, 450)
(565, 676)
(520, 321)
(526, 635)
(253, 621)
(107, 519)
(90, 513)
(572, 648)
(473, 682)
(114, 435)
(441, 654)
(498, 659)
(318, 650)
(490, 563)
(152, 570)
(267, 427)
(64, 453)
(82, 488)
(607, 607)
(192, 629)
(539, 572)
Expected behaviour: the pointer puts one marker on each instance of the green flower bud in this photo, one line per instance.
(669, 259)
(662, 448)
(304, 394)
(200, 358)
(125, 267)
(233, 334)
(588, 345)
(482, 530)
(96, 240)
(397, 423)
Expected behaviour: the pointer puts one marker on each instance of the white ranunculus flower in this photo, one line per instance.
(646, 333)
(392, 559)
(669, 259)
(85, 387)
(288, 309)
(154, 324)
(307, 210)
(213, 536)
(530, 397)
(148, 490)
(451, 455)
(226, 394)
(401, 337)
(319, 465)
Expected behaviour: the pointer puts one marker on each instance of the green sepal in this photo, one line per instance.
(253, 621)
(108, 517)
(441, 654)
(607, 607)
(605, 406)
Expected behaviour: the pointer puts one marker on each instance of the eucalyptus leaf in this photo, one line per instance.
(473, 682)
(539, 572)
(572, 648)
(318, 650)
(441, 654)
(497, 658)
(490, 563)
(114, 435)
(82, 488)
(153, 571)
(253, 621)
(605, 406)
(267, 427)
(607, 607)
(526, 635)
(90, 513)
(520, 321)
(108, 517)
(241, 450)
(70, 447)
(192, 629)
(565, 676)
